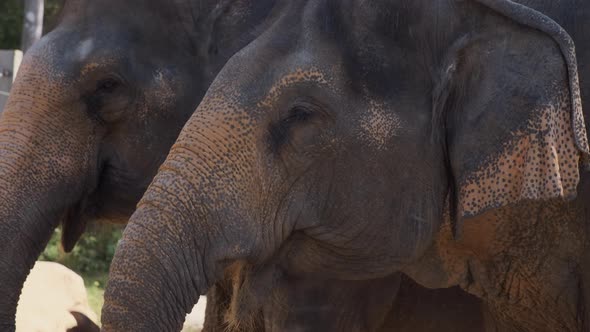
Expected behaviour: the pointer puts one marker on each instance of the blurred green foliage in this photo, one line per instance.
(93, 252)
(11, 21)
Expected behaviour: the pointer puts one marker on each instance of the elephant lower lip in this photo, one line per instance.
(116, 194)
(74, 223)
(103, 202)
(91, 208)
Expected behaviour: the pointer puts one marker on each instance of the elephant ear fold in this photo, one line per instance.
(540, 162)
(514, 127)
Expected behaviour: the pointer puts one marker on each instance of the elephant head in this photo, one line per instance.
(94, 110)
(332, 143)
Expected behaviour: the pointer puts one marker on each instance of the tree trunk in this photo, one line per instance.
(32, 23)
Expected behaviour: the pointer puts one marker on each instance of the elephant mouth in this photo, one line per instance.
(74, 223)
(112, 197)
(97, 205)
(76, 218)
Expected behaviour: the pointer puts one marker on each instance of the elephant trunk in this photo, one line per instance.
(195, 219)
(42, 163)
(156, 276)
(167, 258)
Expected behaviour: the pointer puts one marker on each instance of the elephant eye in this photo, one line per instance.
(299, 127)
(108, 85)
(280, 132)
(297, 114)
(106, 100)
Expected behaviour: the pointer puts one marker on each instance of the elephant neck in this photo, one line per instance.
(508, 257)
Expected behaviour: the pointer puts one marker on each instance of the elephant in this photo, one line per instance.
(95, 107)
(369, 123)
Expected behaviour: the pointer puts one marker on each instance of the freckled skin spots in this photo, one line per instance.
(537, 165)
(165, 94)
(227, 131)
(379, 126)
(300, 75)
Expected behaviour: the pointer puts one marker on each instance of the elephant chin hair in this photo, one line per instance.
(242, 314)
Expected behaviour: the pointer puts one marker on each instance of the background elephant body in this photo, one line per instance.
(368, 123)
(94, 110)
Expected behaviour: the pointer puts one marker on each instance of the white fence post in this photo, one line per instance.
(9, 62)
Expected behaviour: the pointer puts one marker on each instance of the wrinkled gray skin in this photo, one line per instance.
(94, 110)
(367, 123)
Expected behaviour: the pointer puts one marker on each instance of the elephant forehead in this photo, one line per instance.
(84, 49)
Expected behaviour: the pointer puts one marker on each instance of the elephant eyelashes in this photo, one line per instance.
(280, 132)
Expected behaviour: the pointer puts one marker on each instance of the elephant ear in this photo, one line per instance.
(514, 124)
